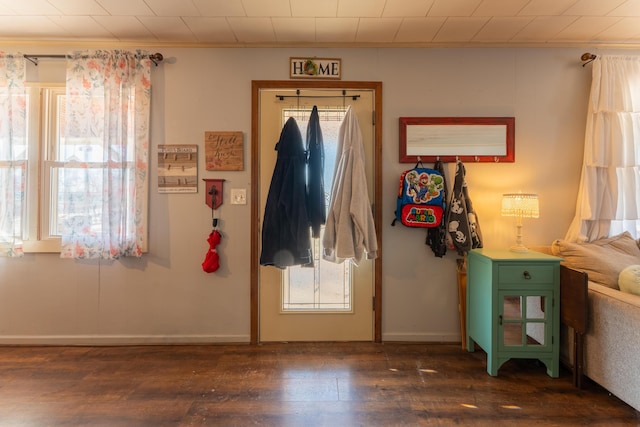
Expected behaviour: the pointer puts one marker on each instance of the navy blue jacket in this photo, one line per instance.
(285, 228)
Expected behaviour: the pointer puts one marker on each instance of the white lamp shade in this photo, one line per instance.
(523, 205)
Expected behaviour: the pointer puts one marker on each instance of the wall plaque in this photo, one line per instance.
(315, 68)
(224, 151)
(177, 168)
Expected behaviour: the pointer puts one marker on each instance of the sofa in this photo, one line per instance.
(611, 342)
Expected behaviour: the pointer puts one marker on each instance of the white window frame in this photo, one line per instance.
(42, 126)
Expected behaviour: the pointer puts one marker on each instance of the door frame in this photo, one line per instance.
(256, 86)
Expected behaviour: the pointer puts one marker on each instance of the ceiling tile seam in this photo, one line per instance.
(482, 27)
(233, 31)
(595, 36)
(395, 35)
(189, 28)
(435, 34)
(145, 27)
(273, 29)
(553, 37)
(429, 9)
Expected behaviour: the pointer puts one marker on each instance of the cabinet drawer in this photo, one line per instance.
(525, 274)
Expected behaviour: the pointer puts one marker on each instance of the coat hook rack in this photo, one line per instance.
(213, 192)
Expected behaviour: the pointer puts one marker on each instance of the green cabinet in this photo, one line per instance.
(513, 307)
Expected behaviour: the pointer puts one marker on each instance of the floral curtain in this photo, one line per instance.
(104, 172)
(13, 152)
(609, 194)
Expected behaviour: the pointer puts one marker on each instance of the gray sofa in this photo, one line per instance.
(612, 338)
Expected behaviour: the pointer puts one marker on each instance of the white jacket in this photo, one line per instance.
(349, 231)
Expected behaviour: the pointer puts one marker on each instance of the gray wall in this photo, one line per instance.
(166, 297)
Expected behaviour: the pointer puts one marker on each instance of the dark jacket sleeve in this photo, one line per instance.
(316, 207)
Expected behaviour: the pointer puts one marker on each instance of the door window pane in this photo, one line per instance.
(325, 286)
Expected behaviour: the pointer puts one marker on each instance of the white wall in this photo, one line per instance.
(166, 297)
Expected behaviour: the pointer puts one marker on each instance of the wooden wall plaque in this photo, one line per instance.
(224, 151)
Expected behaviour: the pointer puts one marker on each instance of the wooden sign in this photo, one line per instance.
(177, 168)
(224, 151)
(315, 68)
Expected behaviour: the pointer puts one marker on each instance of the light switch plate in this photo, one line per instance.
(238, 196)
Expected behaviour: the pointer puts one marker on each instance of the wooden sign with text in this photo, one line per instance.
(224, 151)
(315, 68)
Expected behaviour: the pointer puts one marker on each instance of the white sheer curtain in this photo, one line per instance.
(608, 198)
(13, 152)
(103, 161)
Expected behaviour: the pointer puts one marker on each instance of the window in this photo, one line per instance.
(54, 167)
(39, 227)
(80, 174)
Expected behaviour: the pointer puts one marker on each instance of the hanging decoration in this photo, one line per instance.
(211, 261)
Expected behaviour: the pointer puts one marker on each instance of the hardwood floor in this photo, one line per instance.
(290, 384)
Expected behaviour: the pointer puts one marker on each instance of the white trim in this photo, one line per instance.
(100, 340)
(443, 337)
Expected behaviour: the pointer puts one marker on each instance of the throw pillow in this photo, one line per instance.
(602, 259)
(629, 280)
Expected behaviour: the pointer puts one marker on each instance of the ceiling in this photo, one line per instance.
(349, 23)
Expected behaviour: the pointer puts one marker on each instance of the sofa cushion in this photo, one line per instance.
(602, 259)
(629, 279)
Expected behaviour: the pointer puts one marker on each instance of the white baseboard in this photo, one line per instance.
(418, 337)
(105, 340)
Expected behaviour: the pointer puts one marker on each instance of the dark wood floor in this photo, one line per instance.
(307, 384)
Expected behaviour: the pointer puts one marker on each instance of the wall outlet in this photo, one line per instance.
(238, 196)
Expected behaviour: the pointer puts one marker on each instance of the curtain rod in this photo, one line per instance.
(33, 58)
(588, 57)
(282, 97)
(297, 95)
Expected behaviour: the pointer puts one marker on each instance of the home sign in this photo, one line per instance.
(315, 68)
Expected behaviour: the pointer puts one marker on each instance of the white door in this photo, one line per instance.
(327, 302)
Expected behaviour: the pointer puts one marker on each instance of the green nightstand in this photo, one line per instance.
(513, 307)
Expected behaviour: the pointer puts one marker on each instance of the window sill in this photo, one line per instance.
(41, 246)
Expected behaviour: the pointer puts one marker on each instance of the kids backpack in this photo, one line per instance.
(421, 197)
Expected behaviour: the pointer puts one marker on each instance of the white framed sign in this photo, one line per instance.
(315, 68)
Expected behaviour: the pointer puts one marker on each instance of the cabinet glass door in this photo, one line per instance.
(524, 319)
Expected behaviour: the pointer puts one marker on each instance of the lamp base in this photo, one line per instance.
(519, 248)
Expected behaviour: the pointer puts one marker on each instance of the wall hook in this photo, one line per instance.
(213, 192)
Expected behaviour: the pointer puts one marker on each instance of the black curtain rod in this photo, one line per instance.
(33, 58)
(282, 97)
(297, 95)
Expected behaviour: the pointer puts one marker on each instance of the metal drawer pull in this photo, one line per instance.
(526, 275)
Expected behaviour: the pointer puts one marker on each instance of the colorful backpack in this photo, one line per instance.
(421, 197)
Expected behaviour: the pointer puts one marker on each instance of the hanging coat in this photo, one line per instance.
(315, 171)
(462, 221)
(350, 231)
(285, 227)
(437, 236)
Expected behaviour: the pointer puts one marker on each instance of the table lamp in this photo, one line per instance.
(520, 205)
